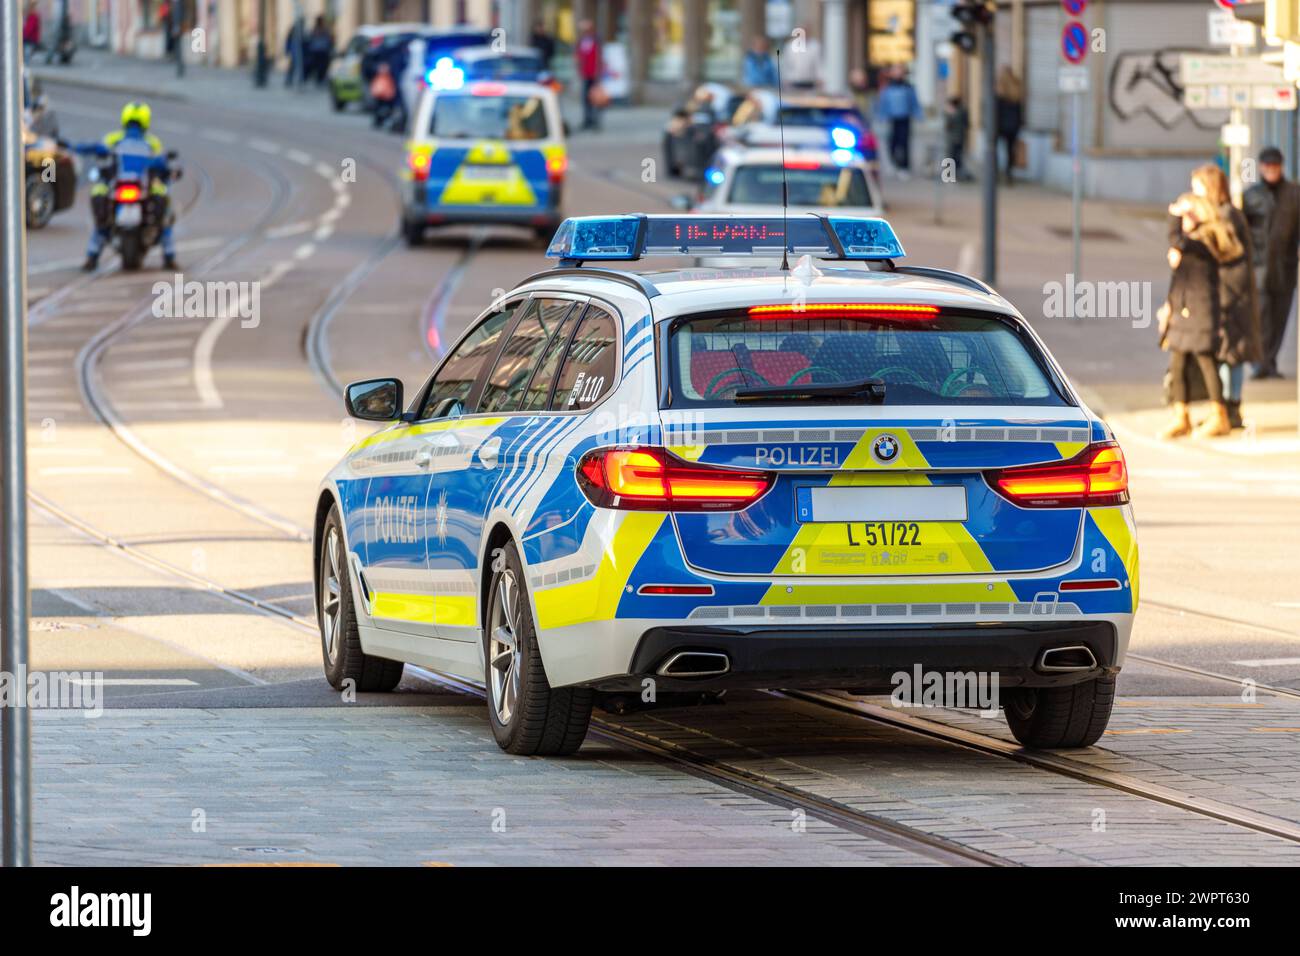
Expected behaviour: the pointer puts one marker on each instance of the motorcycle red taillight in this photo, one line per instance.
(651, 479)
(127, 192)
(1097, 476)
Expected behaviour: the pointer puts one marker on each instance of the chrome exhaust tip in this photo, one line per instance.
(695, 664)
(1076, 657)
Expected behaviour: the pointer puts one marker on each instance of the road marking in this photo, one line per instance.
(323, 233)
(298, 156)
(137, 681)
(220, 136)
(292, 229)
(1269, 662)
(304, 251)
(262, 146)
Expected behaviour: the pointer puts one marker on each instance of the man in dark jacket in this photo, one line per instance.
(1272, 208)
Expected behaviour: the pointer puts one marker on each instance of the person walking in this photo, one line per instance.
(1010, 115)
(758, 68)
(898, 106)
(1191, 317)
(587, 52)
(1272, 207)
(956, 126)
(1239, 338)
(319, 52)
(31, 30)
(543, 43)
(294, 49)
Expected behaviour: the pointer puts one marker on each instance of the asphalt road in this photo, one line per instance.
(174, 460)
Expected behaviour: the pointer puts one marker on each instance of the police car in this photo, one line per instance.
(696, 480)
(485, 151)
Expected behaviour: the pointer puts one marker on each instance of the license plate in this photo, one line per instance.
(488, 174)
(881, 504)
(129, 214)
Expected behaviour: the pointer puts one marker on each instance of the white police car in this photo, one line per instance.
(733, 478)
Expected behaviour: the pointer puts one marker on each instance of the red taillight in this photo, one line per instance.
(419, 163)
(127, 192)
(845, 309)
(1097, 476)
(1091, 584)
(692, 590)
(651, 479)
(556, 166)
(487, 88)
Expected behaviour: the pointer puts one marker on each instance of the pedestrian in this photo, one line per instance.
(898, 106)
(1239, 338)
(1191, 317)
(319, 51)
(542, 41)
(31, 30)
(294, 44)
(1010, 115)
(956, 126)
(165, 21)
(758, 68)
(383, 91)
(588, 55)
(1272, 207)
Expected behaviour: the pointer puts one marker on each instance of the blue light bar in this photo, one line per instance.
(630, 237)
(844, 138)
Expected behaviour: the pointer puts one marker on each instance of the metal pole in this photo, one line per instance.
(261, 67)
(1234, 152)
(175, 27)
(990, 108)
(15, 720)
(1076, 200)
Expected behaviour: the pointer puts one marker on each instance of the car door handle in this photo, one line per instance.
(424, 458)
(489, 452)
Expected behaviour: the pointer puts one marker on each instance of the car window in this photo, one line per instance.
(828, 186)
(456, 376)
(822, 116)
(539, 389)
(465, 116)
(927, 360)
(590, 363)
(505, 386)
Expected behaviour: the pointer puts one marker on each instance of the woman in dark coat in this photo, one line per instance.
(1191, 318)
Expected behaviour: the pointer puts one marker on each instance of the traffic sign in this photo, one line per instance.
(1227, 4)
(1227, 30)
(1074, 7)
(1072, 79)
(1074, 41)
(1237, 70)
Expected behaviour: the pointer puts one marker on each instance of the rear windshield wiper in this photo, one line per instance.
(868, 390)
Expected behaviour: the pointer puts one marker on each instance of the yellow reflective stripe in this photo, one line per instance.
(596, 599)
(488, 151)
(1118, 528)
(464, 191)
(393, 433)
(1068, 449)
(961, 593)
(460, 610)
(418, 608)
(689, 452)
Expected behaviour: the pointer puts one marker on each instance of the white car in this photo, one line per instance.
(696, 479)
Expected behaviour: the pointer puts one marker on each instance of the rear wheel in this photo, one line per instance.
(414, 232)
(340, 642)
(132, 249)
(528, 717)
(41, 201)
(1048, 718)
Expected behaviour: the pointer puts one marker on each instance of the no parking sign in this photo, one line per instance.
(1074, 41)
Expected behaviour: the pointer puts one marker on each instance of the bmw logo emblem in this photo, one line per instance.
(885, 449)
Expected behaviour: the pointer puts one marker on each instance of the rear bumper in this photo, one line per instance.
(867, 658)
(530, 216)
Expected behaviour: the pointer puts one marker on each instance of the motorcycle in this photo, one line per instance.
(131, 212)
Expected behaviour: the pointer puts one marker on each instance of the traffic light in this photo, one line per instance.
(971, 13)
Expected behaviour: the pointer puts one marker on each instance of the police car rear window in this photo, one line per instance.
(821, 116)
(829, 186)
(939, 360)
(467, 116)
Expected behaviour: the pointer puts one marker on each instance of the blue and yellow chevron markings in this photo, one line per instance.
(597, 598)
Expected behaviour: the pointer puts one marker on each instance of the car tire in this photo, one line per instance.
(131, 249)
(413, 232)
(338, 104)
(41, 201)
(1048, 718)
(335, 616)
(527, 715)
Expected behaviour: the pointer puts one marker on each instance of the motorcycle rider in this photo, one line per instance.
(138, 152)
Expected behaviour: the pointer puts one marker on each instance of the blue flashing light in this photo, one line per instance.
(866, 238)
(596, 237)
(445, 75)
(715, 176)
(842, 157)
(843, 137)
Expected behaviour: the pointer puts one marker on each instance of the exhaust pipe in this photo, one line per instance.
(1076, 657)
(695, 664)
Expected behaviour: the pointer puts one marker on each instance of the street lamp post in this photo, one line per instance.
(15, 719)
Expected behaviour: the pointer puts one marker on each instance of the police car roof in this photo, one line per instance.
(766, 155)
(498, 88)
(483, 51)
(680, 291)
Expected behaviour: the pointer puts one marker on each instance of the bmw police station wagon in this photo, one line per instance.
(489, 151)
(733, 478)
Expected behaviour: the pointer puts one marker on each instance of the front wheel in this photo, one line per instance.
(1048, 718)
(340, 641)
(41, 201)
(528, 717)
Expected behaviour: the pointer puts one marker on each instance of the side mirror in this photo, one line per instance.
(374, 400)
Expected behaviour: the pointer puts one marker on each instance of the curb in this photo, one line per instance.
(62, 79)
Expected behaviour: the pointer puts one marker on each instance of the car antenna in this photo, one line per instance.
(785, 185)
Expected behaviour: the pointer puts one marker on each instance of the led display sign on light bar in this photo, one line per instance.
(631, 237)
